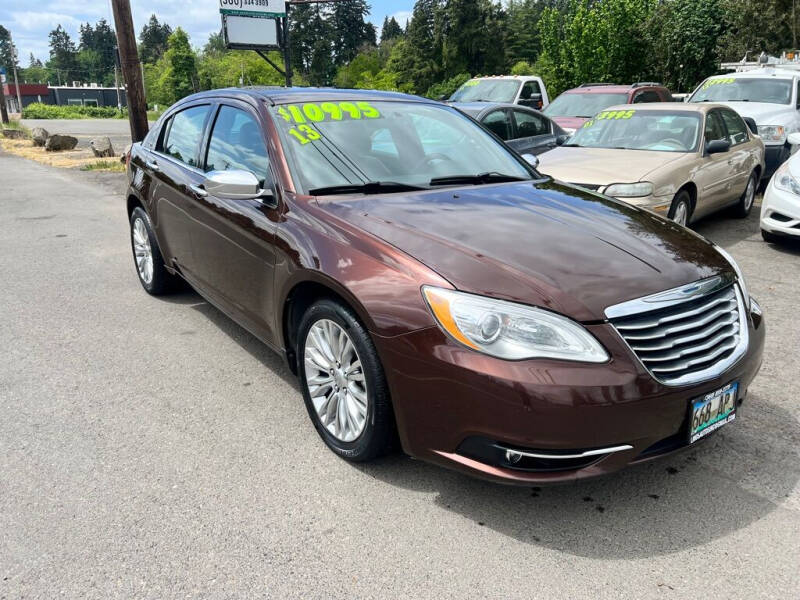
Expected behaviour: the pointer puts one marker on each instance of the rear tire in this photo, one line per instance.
(147, 259)
(343, 383)
(681, 209)
(748, 198)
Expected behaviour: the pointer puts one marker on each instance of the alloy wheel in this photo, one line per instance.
(749, 193)
(681, 214)
(142, 251)
(335, 380)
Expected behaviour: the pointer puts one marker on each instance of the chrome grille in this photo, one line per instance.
(690, 334)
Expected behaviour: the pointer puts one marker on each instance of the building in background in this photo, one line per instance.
(89, 94)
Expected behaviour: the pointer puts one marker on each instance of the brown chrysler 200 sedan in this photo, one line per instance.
(425, 282)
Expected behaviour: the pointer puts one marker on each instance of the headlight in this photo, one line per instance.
(511, 331)
(772, 134)
(783, 180)
(739, 275)
(629, 190)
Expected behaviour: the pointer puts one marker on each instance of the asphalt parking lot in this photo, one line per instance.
(151, 448)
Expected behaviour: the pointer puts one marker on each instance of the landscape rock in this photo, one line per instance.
(39, 136)
(13, 134)
(101, 147)
(57, 142)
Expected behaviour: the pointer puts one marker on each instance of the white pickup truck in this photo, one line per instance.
(526, 90)
(770, 95)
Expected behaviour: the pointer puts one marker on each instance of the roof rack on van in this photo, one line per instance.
(595, 84)
(645, 83)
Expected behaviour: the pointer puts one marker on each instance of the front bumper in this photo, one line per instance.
(780, 211)
(450, 402)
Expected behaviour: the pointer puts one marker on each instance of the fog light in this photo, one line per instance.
(513, 457)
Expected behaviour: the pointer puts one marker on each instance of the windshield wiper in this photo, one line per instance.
(369, 187)
(488, 177)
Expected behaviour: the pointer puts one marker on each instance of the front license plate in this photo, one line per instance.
(712, 411)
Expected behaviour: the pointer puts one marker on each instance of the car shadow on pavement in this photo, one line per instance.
(669, 505)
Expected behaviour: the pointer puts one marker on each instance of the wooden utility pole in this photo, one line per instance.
(131, 71)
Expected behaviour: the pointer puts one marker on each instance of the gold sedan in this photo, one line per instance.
(680, 160)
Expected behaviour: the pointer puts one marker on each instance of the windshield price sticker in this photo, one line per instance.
(302, 115)
(610, 115)
(723, 81)
(471, 83)
(327, 111)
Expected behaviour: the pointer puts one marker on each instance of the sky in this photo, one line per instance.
(29, 24)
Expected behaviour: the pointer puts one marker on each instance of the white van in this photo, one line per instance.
(526, 90)
(768, 95)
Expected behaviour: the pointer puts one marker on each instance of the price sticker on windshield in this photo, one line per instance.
(615, 114)
(314, 112)
(723, 81)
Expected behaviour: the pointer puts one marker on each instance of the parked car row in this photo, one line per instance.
(428, 285)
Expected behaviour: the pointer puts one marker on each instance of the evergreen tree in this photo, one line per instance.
(96, 52)
(312, 44)
(350, 30)
(153, 40)
(63, 55)
(391, 29)
(419, 60)
(6, 51)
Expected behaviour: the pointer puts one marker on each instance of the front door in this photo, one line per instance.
(713, 177)
(233, 239)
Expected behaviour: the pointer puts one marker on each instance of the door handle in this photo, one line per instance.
(152, 165)
(198, 190)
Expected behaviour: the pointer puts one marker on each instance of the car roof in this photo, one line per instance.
(282, 95)
(698, 107)
(612, 88)
(759, 74)
(474, 108)
(513, 77)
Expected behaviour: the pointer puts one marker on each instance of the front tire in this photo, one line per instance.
(681, 209)
(153, 275)
(747, 200)
(343, 383)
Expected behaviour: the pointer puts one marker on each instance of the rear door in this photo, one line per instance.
(498, 121)
(713, 177)
(740, 159)
(233, 239)
(532, 133)
(174, 171)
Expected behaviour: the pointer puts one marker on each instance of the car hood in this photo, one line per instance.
(602, 166)
(763, 113)
(544, 244)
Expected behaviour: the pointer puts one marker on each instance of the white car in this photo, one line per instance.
(770, 96)
(525, 90)
(780, 209)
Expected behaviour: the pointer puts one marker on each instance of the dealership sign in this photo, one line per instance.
(264, 9)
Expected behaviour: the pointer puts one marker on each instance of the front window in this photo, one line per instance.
(750, 89)
(487, 90)
(635, 129)
(583, 105)
(353, 143)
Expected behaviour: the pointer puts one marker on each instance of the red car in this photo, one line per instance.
(427, 284)
(574, 107)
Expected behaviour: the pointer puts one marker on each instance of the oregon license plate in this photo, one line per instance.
(712, 411)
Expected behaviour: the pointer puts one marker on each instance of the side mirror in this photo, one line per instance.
(534, 101)
(793, 138)
(442, 97)
(234, 184)
(562, 139)
(531, 160)
(717, 146)
(751, 124)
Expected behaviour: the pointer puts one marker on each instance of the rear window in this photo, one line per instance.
(184, 132)
(583, 105)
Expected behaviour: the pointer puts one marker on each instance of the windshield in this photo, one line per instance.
(640, 130)
(729, 89)
(583, 105)
(410, 143)
(486, 90)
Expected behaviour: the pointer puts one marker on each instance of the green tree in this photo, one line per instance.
(685, 33)
(754, 27)
(153, 40)
(473, 37)
(35, 72)
(63, 55)
(182, 67)
(96, 52)
(312, 44)
(349, 29)
(391, 29)
(417, 57)
(7, 59)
